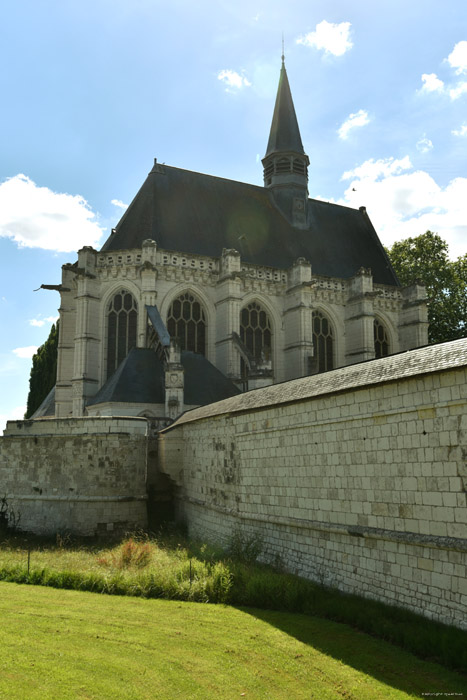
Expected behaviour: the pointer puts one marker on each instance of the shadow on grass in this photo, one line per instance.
(374, 657)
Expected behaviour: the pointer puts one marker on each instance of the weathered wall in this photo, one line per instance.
(363, 489)
(87, 475)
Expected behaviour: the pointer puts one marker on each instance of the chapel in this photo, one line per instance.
(209, 287)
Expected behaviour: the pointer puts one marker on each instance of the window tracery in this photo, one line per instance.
(323, 344)
(256, 336)
(122, 318)
(186, 321)
(381, 339)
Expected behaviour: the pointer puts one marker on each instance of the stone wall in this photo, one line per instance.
(86, 476)
(362, 488)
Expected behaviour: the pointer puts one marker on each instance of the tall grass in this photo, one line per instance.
(175, 569)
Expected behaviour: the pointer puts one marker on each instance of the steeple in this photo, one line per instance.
(285, 163)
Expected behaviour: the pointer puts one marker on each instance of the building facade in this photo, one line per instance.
(265, 284)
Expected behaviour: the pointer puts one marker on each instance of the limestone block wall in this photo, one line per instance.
(362, 489)
(86, 476)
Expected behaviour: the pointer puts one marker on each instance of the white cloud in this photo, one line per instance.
(360, 118)
(39, 322)
(431, 83)
(403, 202)
(457, 91)
(460, 132)
(119, 203)
(457, 59)
(25, 353)
(378, 169)
(16, 413)
(37, 217)
(233, 79)
(424, 145)
(332, 38)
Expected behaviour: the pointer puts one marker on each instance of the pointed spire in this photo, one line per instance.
(285, 163)
(284, 134)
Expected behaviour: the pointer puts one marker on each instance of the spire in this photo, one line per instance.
(285, 163)
(284, 134)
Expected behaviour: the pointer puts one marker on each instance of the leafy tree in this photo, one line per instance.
(425, 259)
(43, 371)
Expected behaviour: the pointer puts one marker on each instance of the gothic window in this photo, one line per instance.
(323, 342)
(256, 334)
(381, 339)
(186, 321)
(122, 316)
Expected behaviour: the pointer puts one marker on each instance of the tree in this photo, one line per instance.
(43, 371)
(425, 259)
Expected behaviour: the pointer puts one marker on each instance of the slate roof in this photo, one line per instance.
(140, 379)
(193, 213)
(432, 358)
(284, 134)
(47, 407)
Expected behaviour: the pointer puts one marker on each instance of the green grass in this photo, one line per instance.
(174, 569)
(58, 644)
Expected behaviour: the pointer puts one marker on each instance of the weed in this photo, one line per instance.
(131, 553)
(246, 548)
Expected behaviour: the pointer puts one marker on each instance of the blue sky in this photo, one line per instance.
(93, 91)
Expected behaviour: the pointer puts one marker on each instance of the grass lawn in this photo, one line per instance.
(59, 644)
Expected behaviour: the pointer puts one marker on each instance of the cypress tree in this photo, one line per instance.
(43, 371)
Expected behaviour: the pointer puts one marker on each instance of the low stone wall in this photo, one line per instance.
(363, 489)
(86, 476)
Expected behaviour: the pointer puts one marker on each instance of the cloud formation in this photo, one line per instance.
(119, 203)
(233, 80)
(39, 322)
(457, 59)
(431, 83)
(462, 131)
(331, 38)
(25, 353)
(37, 217)
(424, 145)
(404, 202)
(353, 121)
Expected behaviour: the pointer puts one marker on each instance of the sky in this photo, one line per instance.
(92, 92)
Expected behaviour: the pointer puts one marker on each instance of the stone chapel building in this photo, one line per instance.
(208, 287)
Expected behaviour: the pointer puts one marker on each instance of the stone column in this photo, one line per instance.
(297, 320)
(88, 332)
(174, 382)
(66, 343)
(228, 303)
(413, 330)
(359, 319)
(148, 272)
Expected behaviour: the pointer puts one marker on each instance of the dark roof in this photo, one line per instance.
(140, 379)
(47, 407)
(193, 213)
(284, 134)
(432, 358)
(204, 383)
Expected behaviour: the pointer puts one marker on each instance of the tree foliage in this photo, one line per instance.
(43, 371)
(425, 259)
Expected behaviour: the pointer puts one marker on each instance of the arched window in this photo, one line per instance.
(122, 317)
(323, 344)
(381, 339)
(256, 335)
(186, 321)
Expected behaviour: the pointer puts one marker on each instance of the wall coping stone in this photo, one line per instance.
(405, 365)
